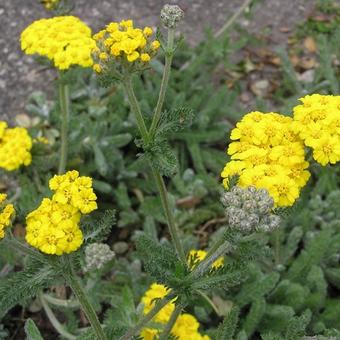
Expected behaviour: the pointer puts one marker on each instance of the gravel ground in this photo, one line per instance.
(20, 75)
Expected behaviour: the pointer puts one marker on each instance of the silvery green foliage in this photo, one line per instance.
(250, 209)
(97, 255)
(171, 15)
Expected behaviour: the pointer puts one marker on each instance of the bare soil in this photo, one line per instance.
(20, 75)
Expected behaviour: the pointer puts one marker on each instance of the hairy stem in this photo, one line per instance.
(61, 303)
(78, 291)
(174, 316)
(210, 302)
(158, 178)
(64, 102)
(169, 215)
(165, 79)
(148, 317)
(205, 265)
(234, 17)
(136, 108)
(54, 321)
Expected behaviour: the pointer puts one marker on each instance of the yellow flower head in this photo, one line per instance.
(65, 40)
(53, 227)
(6, 213)
(186, 326)
(266, 150)
(317, 120)
(15, 146)
(196, 256)
(123, 44)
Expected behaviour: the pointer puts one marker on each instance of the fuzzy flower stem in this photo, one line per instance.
(78, 291)
(136, 108)
(210, 302)
(173, 318)
(169, 215)
(205, 265)
(61, 303)
(54, 321)
(148, 317)
(159, 180)
(64, 102)
(164, 84)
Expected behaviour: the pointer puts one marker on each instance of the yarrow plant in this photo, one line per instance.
(15, 147)
(267, 171)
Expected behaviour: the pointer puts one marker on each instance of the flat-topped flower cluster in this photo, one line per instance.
(122, 42)
(15, 146)
(53, 227)
(65, 40)
(185, 328)
(268, 149)
(317, 121)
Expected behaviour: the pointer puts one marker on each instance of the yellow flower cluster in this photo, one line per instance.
(199, 255)
(318, 122)
(7, 211)
(15, 146)
(50, 4)
(122, 42)
(267, 152)
(186, 326)
(53, 227)
(65, 40)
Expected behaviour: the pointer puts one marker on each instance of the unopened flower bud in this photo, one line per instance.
(97, 255)
(250, 209)
(171, 15)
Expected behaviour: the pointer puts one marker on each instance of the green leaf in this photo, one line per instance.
(228, 327)
(97, 229)
(254, 316)
(161, 156)
(255, 289)
(32, 331)
(160, 260)
(174, 121)
(100, 160)
(20, 286)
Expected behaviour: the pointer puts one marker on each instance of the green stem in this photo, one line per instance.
(135, 108)
(164, 84)
(54, 321)
(159, 180)
(174, 316)
(169, 215)
(210, 302)
(90, 313)
(64, 102)
(205, 265)
(148, 317)
(61, 303)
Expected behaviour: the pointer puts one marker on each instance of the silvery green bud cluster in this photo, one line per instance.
(171, 15)
(250, 209)
(96, 255)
